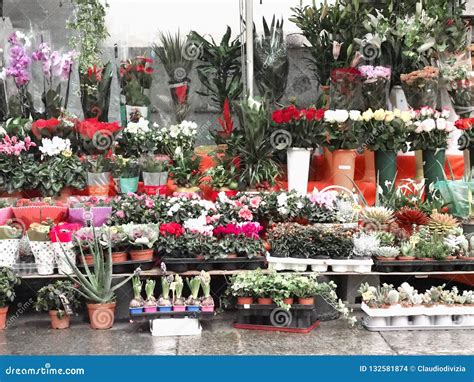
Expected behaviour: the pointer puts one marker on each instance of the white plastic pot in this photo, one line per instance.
(9, 251)
(319, 267)
(43, 252)
(377, 321)
(399, 321)
(421, 320)
(61, 251)
(444, 320)
(298, 169)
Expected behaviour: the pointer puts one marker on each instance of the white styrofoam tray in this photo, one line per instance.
(398, 310)
(170, 327)
(319, 265)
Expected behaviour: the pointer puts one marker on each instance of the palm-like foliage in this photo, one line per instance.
(221, 70)
(172, 54)
(271, 61)
(96, 281)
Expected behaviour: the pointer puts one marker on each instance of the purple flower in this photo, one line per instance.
(53, 62)
(19, 62)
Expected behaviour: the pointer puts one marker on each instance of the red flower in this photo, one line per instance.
(63, 232)
(464, 124)
(48, 124)
(277, 116)
(345, 74)
(91, 126)
(172, 229)
(140, 68)
(319, 115)
(148, 70)
(93, 71)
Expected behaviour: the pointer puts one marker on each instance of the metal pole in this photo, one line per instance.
(249, 45)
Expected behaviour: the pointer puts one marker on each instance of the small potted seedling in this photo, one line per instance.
(207, 302)
(192, 303)
(150, 302)
(164, 302)
(136, 305)
(177, 289)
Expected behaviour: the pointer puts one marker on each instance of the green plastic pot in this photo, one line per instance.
(433, 168)
(385, 167)
(128, 185)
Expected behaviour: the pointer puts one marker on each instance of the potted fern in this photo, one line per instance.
(95, 284)
(192, 303)
(136, 304)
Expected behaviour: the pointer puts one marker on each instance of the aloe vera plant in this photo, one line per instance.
(96, 281)
(194, 285)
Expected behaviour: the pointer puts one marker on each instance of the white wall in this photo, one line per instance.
(137, 22)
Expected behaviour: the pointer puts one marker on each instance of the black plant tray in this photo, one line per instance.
(136, 317)
(129, 266)
(423, 266)
(191, 264)
(257, 316)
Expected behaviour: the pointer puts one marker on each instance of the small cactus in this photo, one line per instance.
(393, 297)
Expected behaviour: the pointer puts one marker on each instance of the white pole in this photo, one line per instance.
(249, 45)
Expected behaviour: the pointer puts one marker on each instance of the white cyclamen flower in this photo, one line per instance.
(55, 146)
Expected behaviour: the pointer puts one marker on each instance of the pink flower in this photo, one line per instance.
(245, 213)
(120, 214)
(149, 203)
(255, 201)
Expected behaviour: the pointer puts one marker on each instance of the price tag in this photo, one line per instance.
(66, 305)
(344, 167)
(246, 306)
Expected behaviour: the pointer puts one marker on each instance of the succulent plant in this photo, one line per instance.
(376, 218)
(409, 217)
(393, 297)
(407, 250)
(137, 301)
(366, 245)
(149, 290)
(385, 238)
(388, 251)
(442, 224)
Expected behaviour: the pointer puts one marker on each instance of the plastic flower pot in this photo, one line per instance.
(101, 316)
(385, 167)
(119, 257)
(37, 214)
(264, 301)
(244, 300)
(399, 321)
(129, 109)
(165, 308)
(135, 310)
(207, 308)
(298, 169)
(5, 214)
(128, 185)
(59, 323)
(444, 320)
(9, 252)
(149, 309)
(45, 257)
(61, 251)
(3, 317)
(141, 254)
(343, 167)
(192, 308)
(98, 215)
(179, 308)
(421, 320)
(433, 167)
(306, 300)
(98, 183)
(155, 178)
(288, 301)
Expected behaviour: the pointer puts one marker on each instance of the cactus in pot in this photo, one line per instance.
(164, 302)
(177, 290)
(393, 297)
(150, 302)
(207, 302)
(136, 304)
(194, 284)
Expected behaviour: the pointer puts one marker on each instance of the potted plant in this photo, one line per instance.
(128, 172)
(305, 289)
(421, 87)
(136, 76)
(375, 86)
(303, 134)
(221, 178)
(53, 299)
(176, 288)
(142, 237)
(341, 128)
(429, 133)
(365, 245)
(137, 303)
(96, 285)
(62, 237)
(99, 170)
(117, 239)
(89, 211)
(150, 302)
(176, 55)
(139, 138)
(207, 302)
(385, 133)
(193, 301)
(42, 248)
(8, 281)
(10, 237)
(164, 302)
(83, 242)
(264, 288)
(154, 172)
(185, 171)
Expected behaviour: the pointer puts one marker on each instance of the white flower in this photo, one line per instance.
(405, 116)
(3, 74)
(254, 104)
(419, 128)
(341, 116)
(330, 116)
(428, 125)
(174, 131)
(282, 210)
(178, 151)
(354, 115)
(445, 113)
(441, 124)
(367, 115)
(282, 199)
(55, 146)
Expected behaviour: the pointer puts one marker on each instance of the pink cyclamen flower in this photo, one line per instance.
(245, 213)
(255, 201)
(120, 214)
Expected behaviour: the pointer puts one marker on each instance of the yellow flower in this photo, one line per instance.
(379, 115)
(389, 116)
(67, 153)
(367, 115)
(405, 116)
(397, 113)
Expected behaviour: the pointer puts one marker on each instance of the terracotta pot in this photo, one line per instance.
(306, 300)
(141, 254)
(232, 256)
(288, 301)
(244, 300)
(3, 317)
(119, 257)
(385, 258)
(101, 316)
(450, 258)
(59, 323)
(406, 258)
(264, 301)
(425, 259)
(343, 168)
(88, 259)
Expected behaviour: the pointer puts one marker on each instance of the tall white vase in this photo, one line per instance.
(298, 169)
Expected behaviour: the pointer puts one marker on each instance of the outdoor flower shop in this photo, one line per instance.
(293, 203)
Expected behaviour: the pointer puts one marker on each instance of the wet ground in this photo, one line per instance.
(31, 334)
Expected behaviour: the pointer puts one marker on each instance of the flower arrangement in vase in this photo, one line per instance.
(421, 87)
(375, 86)
(164, 302)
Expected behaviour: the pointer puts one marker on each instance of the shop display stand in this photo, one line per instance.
(424, 266)
(180, 265)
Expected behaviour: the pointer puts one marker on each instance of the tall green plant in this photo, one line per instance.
(96, 281)
(271, 61)
(220, 71)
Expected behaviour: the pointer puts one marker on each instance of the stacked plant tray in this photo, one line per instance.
(180, 265)
(298, 319)
(424, 266)
(319, 265)
(438, 317)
